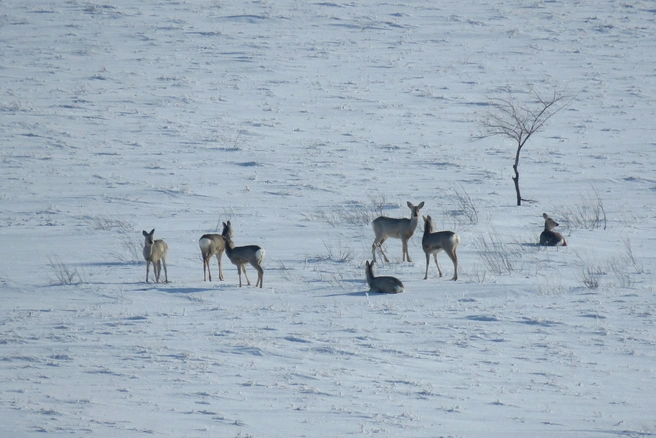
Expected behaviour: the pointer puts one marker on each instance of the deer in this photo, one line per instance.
(154, 252)
(214, 244)
(549, 237)
(435, 241)
(240, 255)
(388, 285)
(403, 229)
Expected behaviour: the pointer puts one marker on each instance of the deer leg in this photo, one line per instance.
(206, 262)
(404, 249)
(378, 244)
(147, 269)
(239, 272)
(427, 263)
(205, 268)
(156, 268)
(380, 247)
(166, 275)
(218, 257)
(406, 254)
(454, 259)
(243, 267)
(260, 274)
(437, 264)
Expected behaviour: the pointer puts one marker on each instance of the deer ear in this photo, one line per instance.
(410, 204)
(421, 205)
(544, 215)
(152, 231)
(144, 233)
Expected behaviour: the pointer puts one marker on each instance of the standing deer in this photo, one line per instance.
(240, 255)
(549, 237)
(388, 285)
(214, 244)
(433, 242)
(155, 252)
(403, 229)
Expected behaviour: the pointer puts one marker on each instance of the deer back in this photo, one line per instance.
(437, 240)
(159, 250)
(211, 243)
(399, 228)
(382, 284)
(243, 254)
(549, 237)
(393, 227)
(389, 285)
(552, 238)
(153, 249)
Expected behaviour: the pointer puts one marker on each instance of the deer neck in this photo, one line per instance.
(414, 220)
(148, 251)
(427, 228)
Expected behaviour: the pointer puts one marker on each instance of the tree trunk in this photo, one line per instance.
(516, 167)
(516, 181)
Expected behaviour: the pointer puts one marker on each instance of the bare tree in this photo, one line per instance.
(519, 121)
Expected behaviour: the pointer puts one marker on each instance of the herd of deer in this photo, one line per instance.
(432, 242)
(384, 227)
(210, 245)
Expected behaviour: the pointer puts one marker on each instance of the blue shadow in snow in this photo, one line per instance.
(185, 290)
(358, 294)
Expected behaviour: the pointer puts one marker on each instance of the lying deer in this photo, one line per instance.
(389, 285)
(214, 244)
(403, 229)
(433, 242)
(549, 237)
(240, 255)
(155, 252)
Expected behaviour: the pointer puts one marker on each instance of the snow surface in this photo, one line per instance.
(300, 122)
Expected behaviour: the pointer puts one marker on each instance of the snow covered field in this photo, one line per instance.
(300, 122)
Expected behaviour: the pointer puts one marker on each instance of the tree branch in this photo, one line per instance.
(509, 118)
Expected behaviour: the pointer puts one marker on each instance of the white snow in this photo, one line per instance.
(296, 120)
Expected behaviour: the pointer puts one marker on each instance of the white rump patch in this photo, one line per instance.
(204, 244)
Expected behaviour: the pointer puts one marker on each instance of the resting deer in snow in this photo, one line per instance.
(549, 237)
(403, 229)
(214, 244)
(240, 255)
(388, 285)
(155, 252)
(433, 242)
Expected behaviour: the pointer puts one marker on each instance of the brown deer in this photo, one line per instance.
(240, 255)
(154, 252)
(549, 237)
(403, 229)
(433, 242)
(214, 244)
(389, 285)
